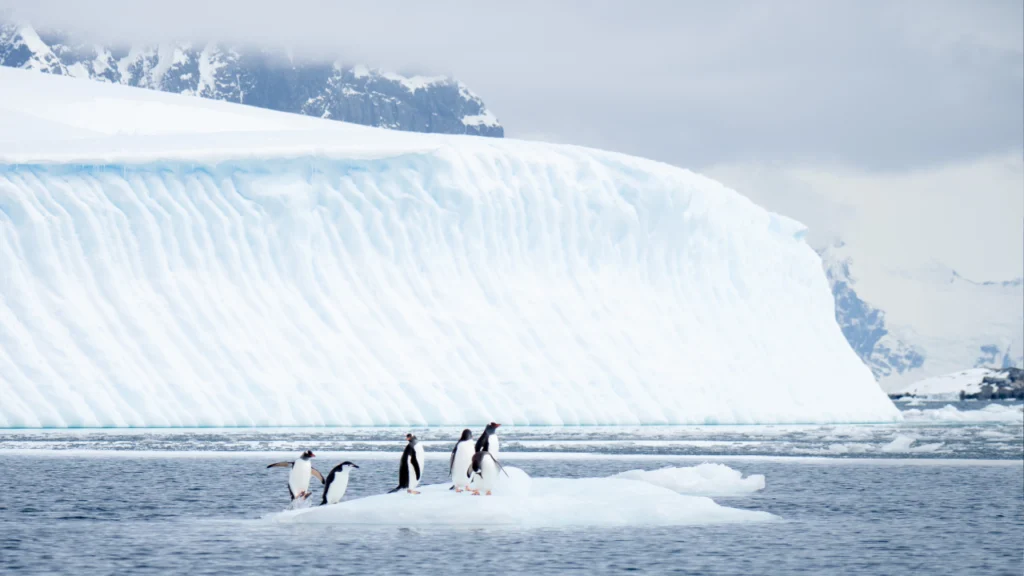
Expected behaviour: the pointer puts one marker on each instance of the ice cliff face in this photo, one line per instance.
(172, 261)
(261, 78)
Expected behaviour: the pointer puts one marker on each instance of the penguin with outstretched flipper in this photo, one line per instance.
(298, 479)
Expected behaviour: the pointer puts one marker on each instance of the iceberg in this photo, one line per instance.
(523, 502)
(174, 262)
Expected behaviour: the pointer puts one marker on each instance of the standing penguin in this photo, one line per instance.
(298, 479)
(489, 439)
(486, 467)
(337, 483)
(462, 457)
(410, 470)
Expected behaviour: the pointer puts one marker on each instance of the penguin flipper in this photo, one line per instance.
(451, 462)
(316, 473)
(500, 467)
(281, 465)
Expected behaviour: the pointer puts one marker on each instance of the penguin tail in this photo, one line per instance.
(395, 489)
(453, 487)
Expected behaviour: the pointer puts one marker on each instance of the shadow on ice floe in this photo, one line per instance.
(521, 501)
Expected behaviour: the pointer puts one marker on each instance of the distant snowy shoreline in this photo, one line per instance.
(973, 384)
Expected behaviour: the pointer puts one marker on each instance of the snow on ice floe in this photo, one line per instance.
(950, 413)
(707, 479)
(521, 501)
(172, 261)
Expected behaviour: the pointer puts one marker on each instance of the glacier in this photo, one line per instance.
(172, 262)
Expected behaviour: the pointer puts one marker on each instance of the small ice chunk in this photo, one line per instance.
(901, 443)
(904, 443)
(706, 479)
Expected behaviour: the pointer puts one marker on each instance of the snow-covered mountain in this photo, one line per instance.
(177, 261)
(260, 78)
(909, 325)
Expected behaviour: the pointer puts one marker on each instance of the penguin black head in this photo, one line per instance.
(467, 434)
(307, 455)
(409, 437)
(342, 466)
(492, 426)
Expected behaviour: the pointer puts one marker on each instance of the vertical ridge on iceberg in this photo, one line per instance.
(525, 283)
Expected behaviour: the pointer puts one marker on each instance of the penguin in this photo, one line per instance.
(410, 470)
(486, 468)
(489, 439)
(337, 483)
(298, 479)
(458, 465)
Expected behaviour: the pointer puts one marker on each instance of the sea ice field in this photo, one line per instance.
(938, 493)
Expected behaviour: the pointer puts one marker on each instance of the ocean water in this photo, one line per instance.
(159, 502)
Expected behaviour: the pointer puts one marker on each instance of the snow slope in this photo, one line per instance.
(948, 385)
(935, 322)
(170, 261)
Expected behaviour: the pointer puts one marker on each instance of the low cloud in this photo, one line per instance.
(965, 215)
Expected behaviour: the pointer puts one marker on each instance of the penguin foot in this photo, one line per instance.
(413, 492)
(475, 492)
(488, 492)
(458, 489)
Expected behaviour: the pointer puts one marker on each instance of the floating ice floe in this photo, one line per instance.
(702, 480)
(521, 501)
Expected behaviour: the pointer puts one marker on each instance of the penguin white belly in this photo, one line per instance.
(298, 479)
(336, 491)
(414, 480)
(492, 445)
(463, 459)
(486, 480)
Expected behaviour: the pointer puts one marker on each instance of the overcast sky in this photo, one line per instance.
(874, 119)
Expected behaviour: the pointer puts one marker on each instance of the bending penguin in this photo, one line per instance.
(486, 468)
(337, 483)
(298, 479)
(410, 471)
(489, 439)
(462, 457)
